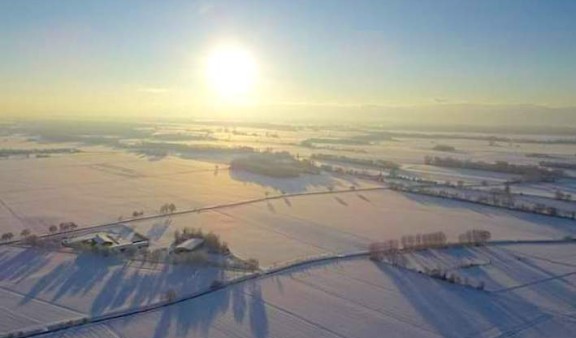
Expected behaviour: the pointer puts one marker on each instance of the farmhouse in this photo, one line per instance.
(118, 239)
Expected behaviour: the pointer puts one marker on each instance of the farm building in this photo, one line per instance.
(119, 239)
(189, 245)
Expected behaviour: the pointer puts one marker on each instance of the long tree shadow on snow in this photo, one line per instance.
(196, 317)
(105, 284)
(458, 311)
(128, 287)
(74, 277)
(17, 264)
(301, 184)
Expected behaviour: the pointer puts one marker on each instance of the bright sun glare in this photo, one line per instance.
(231, 73)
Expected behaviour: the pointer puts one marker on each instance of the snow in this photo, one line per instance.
(289, 228)
(547, 189)
(41, 287)
(17, 313)
(352, 298)
(561, 253)
(453, 175)
(530, 288)
(98, 187)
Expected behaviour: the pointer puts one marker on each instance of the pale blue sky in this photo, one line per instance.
(310, 52)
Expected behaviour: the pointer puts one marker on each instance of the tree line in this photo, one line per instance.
(379, 164)
(27, 235)
(393, 251)
(529, 172)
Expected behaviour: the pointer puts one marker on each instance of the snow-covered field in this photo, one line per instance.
(547, 189)
(529, 288)
(359, 298)
(453, 174)
(279, 230)
(98, 187)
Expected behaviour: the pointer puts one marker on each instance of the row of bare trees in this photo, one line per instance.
(64, 226)
(430, 240)
(29, 237)
(497, 198)
(168, 208)
(452, 277)
(475, 237)
(392, 251)
(8, 236)
(424, 241)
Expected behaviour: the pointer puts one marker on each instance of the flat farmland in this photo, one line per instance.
(279, 230)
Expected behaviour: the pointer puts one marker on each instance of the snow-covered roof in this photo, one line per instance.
(119, 236)
(104, 238)
(99, 237)
(190, 244)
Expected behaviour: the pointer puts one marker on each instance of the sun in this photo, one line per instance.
(231, 73)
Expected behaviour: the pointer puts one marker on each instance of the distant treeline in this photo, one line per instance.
(106, 133)
(444, 147)
(184, 137)
(391, 135)
(163, 148)
(487, 138)
(28, 152)
(309, 143)
(280, 165)
(500, 199)
(353, 140)
(530, 172)
(539, 155)
(255, 125)
(379, 164)
(561, 165)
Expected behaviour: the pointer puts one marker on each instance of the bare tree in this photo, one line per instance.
(7, 236)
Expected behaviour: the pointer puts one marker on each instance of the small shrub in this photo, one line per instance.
(32, 240)
(212, 242)
(481, 286)
(170, 295)
(216, 285)
(253, 264)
